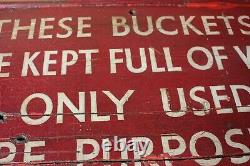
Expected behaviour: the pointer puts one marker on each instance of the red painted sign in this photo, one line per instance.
(125, 85)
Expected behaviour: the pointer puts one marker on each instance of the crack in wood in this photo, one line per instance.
(26, 4)
(160, 158)
(134, 112)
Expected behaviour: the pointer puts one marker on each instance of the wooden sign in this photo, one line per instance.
(116, 84)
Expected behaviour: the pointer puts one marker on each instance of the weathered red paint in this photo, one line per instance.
(144, 115)
(217, 5)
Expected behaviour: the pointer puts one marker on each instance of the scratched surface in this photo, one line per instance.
(144, 115)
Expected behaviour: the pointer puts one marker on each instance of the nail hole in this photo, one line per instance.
(132, 12)
(2, 117)
(229, 125)
(21, 139)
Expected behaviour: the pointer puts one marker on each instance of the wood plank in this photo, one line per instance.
(183, 86)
